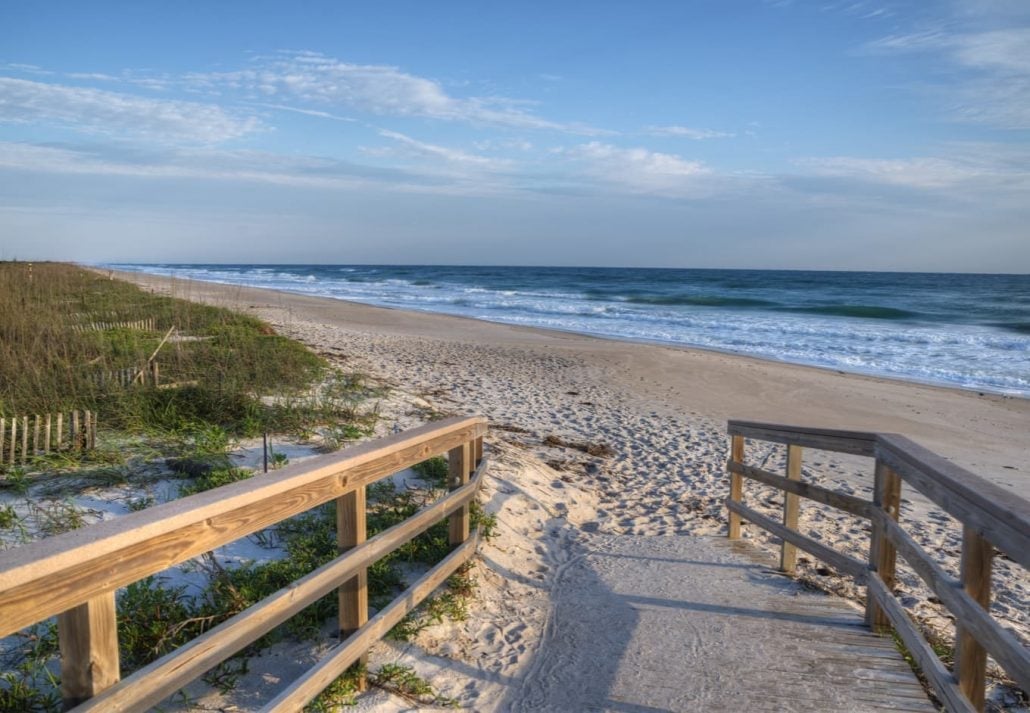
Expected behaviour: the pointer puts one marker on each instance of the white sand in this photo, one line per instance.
(662, 412)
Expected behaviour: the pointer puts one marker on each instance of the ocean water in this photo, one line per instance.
(969, 331)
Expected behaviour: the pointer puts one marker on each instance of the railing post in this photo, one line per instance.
(736, 484)
(971, 658)
(88, 637)
(882, 553)
(460, 465)
(351, 531)
(791, 508)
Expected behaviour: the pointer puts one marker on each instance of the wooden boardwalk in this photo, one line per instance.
(701, 623)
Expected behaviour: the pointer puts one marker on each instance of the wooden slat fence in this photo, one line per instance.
(141, 324)
(74, 576)
(127, 377)
(22, 437)
(991, 518)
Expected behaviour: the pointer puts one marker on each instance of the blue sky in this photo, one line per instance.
(780, 134)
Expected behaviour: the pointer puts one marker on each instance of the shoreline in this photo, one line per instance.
(979, 391)
(724, 385)
(898, 377)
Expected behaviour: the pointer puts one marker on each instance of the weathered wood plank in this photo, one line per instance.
(152, 684)
(1006, 649)
(841, 501)
(315, 680)
(825, 439)
(791, 510)
(970, 655)
(882, 554)
(736, 484)
(996, 513)
(940, 678)
(351, 531)
(459, 462)
(46, 577)
(843, 563)
(88, 638)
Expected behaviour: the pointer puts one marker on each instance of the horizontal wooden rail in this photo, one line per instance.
(50, 576)
(74, 576)
(343, 656)
(188, 662)
(991, 517)
(857, 442)
(844, 563)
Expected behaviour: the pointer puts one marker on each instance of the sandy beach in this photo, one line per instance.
(593, 437)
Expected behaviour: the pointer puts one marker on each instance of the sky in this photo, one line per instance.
(865, 134)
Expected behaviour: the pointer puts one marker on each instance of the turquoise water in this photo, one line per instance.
(970, 331)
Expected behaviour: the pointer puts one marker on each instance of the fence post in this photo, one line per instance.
(73, 433)
(14, 439)
(46, 433)
(154, 372)
(882, 554)
(24, 438)
(736, 484)
(88, 637)
(351, 531)
(35, 436)
(3, 427)
(60, 428)
(459, 462)
(971, 658)
(791, 508)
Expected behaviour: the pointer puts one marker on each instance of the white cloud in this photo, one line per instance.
(637, 170)
(113, 113)
(687, 132)
(378, 89)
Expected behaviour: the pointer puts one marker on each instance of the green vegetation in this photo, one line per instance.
(229, 377)
(50, 358)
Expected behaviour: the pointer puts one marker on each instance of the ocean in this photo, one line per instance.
(960, 330)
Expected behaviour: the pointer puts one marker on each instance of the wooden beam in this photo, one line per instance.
(736, 484)
(1001, 643)
(882, 553)
(351, 531)
(843, 563)
(459, 464)
(940, 678)
(88, 637)
(857, 442)
(48, 576)
(316, 679)
(791, 509)
(848, 503)
(152, 684)
(971, 657)
(995, 512)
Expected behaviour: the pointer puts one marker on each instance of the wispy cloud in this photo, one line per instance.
(968, 167)
(377, 89)
(436, 153)
(113, 113)
(995, 86)
(687, 132)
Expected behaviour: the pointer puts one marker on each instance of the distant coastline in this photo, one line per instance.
(965, 331)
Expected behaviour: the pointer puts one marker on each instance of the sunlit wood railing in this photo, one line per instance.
(74, 576)
(991, 517)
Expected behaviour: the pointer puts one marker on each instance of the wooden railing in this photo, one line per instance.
(990, 516)
(74, 576)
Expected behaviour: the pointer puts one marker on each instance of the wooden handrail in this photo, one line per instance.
(75, 575)
(991, 517)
